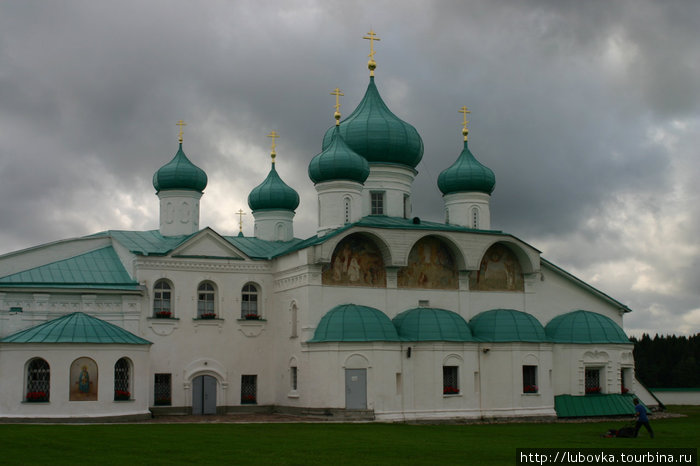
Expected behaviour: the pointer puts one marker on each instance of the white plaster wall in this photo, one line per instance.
(678, 397)
(331, 200)
(571, 360)
(395, 181)
(459, 207)
(274, 225)
(179, 212)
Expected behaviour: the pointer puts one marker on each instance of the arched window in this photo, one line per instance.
(206, 301)
(348, 213)
(279, 231)
(475, 217)
(249, 302)
(38, 380)
(122, 380)
(162, 300)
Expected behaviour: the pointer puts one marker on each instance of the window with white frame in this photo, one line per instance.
(38, 381)
(122, 380)
(206, 301)
(530, 379)
(377, 202)
(249, 302)
(162, 300)
(450, 380)
(293, 377)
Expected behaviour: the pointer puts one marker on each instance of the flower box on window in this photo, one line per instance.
(592, 390)
(208, 315)
(624, 390)
(450, 390)
(37, 397)
(248, 399)
(164, 314)
(121, 395)
(250, 316)
(530, 389)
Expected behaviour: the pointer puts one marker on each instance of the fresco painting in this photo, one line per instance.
(83, 380)
(430, 265)
(356, 261)
(499, 271)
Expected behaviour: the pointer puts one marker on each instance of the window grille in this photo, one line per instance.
(162, 390)
(122, 387)
(249, 302)
(162, 299)
(592, 380)
(377, 201)
(450, 380)
(205, 301)
(530, 379)
(38, 380)
(249, 388)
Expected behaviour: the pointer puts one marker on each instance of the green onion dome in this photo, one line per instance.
(467, 175)
(351, 322)
(584, 327)
(503, 325)
(378, 135)
(273, 194)
(429, 324)
(338, 162)
(180, 173)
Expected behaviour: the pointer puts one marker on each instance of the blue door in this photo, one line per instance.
(204, 395)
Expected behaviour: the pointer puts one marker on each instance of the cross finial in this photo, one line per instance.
(180, 123)
(371, 64)
(464, 112)
(240, 214)
(274, 136)
(337, 93)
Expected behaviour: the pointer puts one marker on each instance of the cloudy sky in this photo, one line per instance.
(588, 113)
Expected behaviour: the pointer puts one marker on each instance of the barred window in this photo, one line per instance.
(530, 379)
(38, 380)
(592, 383)
(162, 300)
(122, 379)
(450, 380)
(162, 390)
(249, 388)
(249, 302)
(206, 299)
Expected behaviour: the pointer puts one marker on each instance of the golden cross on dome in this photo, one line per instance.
(180, 123)
(274, 136)
(240, 214)
(337, 93)
(464, 112)
(371, 64)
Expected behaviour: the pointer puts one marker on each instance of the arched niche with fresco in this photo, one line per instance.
(430, 265)
(356, 261)
(499, 271)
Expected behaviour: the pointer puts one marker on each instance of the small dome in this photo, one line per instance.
(501, 325)
(350, 322)
(378, 135)
(428, 324)
(273, 194)
(338, 162)
(584, 327)
(180, 173)
(467, 175)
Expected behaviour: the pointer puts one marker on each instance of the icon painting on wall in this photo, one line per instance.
(83, 380)
(356, 261)
(430, 265)
(499, 271)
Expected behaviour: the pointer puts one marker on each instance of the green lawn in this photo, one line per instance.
(321, 443)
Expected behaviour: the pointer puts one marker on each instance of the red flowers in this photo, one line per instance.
(122, 395)
(592, 390)
(37, 396)
(530, 389)
(248, 399)
(450, 390)
(251, 316)
(624, 390)
(164, 314)
(207, 315)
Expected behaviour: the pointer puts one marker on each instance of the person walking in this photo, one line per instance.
(640, 412)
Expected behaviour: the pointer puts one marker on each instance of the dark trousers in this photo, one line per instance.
(638, 426)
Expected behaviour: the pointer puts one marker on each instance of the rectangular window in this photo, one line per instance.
(377, 203)
(162, 390)
(249, 389)
(293, 376)
(530, 379)
(593, 381)
(450, 380)
(406, 206)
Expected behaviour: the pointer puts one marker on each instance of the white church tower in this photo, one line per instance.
(179, 185)
(466, 187)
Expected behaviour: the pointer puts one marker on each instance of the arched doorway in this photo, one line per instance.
(204, 395)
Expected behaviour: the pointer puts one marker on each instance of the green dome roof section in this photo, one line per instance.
(180, 173)
(584, 327)
(350, 322)
(273, 194)
(378, 135)
(467, 175)
(429, 324)
(504, 325)
(338, 162)
(76, 328)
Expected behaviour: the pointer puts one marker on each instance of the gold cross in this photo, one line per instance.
(274, 136)
(464, 112)
(371, 64)
(240, 214)
(180, 124)
(337, 93)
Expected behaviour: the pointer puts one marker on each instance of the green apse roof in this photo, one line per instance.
(338, 162)
(501, 325)
(594, 405)
(76, 328)
(429, 324)
(350, 322)
(273, 194)
(180, 173)
(378, 135)
(584, 327)
(100, 269)
(467, 175)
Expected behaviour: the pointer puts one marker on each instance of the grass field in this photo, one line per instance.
(320, 443)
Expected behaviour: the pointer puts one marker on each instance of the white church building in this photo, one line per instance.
(379, 315)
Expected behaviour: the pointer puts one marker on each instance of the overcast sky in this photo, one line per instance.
(588, 113)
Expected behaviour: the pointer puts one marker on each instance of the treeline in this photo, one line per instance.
(668, 361)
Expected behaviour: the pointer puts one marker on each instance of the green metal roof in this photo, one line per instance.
(350, 322)
(273, 194)
(467, 175)
(180, 173)
(430, 324)
(338, 162)
(76, 328)
(584, 327)
(501, 325)
(100, 268)
(594, 405)
(378, 135)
